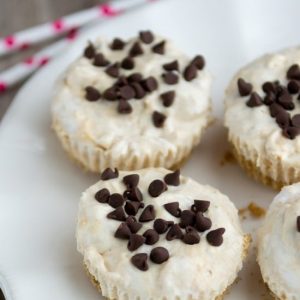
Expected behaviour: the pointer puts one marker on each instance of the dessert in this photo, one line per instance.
(262, 114)
(279, 245)
(154, 234)
(132, 104)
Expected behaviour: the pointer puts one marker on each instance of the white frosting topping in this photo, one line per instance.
(279, 244)
(100, 123)
(199, 271)
(255, 126)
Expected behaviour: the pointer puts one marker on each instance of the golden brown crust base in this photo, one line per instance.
(253, 171)
(246, 244)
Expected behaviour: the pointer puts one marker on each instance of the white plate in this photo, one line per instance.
(40, 186)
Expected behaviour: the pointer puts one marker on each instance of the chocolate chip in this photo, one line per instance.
(275, 109)
(132, 207)
(215, 237)
(135, 241)
(158, 119)
(110, 94)
(202, 223)
(102, 195)
(100, 60)
(255, 100)
(115, 200)
(159, 48)
(127, 92)
(131, 180)
(136, 50)
(140, 261)
(200, 205)
(89, 51)
(199, 62)
(161, 225)
(298, 223)
(121, 81)
(151, 237)
(269, 99)
(190, 72)
(293, 86)
(269, 87)
(133, 225)
(191, 236)
(92, 94)
(148, 214)
(293, 72)
(139, 90)
(108, 173)
(173, 209)
(167, 98)
(146, 37)
(156, 187)
(173, 178)
(123, 232)
(170, 78)
(285, 100)
(283, 119)
(159, 255)
(296, 120)
(172, 66)
(127, 63)
(174, 233)
(124, 107)
(113, 70)
(150, 84)
(134, 194)
(117, 214)
(135, 77)
(244, 87)
(117, 44)
(187, 218)
(288, 105)
(291, 132)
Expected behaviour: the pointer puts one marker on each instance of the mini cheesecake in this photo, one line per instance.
(262, 114)
(279, 245)
(154, 234)
(132, 104)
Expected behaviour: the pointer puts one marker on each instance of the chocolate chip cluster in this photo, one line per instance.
(279, 98)
(136, 86)
(191, 222)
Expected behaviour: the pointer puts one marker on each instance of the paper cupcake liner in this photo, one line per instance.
(96, 159)
(114, 293)
(272, 172)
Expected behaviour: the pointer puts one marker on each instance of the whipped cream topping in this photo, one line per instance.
(279, 244)
(100, 123)
(199, 271)
(255, 126)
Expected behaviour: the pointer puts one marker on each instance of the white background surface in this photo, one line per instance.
(40, 187)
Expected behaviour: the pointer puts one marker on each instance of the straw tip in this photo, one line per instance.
(3, 87)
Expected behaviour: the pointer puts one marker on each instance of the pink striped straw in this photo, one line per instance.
(69, 25)
(25, 38)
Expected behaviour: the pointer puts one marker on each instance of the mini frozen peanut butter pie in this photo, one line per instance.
(154, 234)
(262, 114)
(132, 104)
(279, 245)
